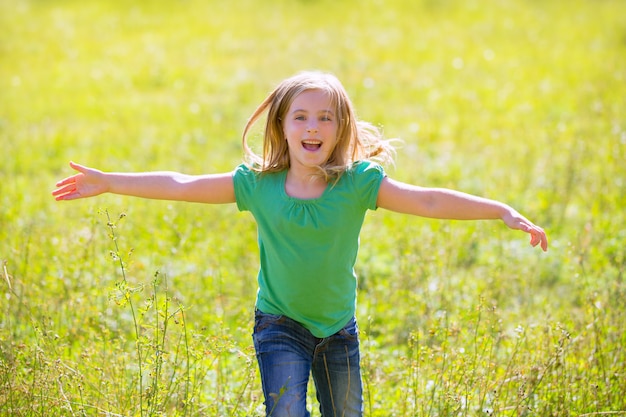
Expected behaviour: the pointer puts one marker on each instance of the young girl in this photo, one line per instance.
(308, 192)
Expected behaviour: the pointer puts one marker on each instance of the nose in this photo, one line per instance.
(311, 126)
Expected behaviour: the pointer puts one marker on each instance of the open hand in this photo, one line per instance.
(88, 182)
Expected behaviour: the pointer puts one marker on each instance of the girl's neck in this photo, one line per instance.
(304, 184)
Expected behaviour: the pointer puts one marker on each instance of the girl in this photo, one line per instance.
(308, 192)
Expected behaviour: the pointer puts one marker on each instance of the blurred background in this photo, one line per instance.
(517, 100)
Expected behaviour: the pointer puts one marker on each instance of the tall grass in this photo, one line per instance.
(151, 314)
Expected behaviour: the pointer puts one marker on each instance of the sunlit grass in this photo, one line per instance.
(517, 100)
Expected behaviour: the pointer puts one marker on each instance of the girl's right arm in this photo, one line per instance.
(89, 182)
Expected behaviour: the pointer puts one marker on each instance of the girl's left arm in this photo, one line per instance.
(442, 203)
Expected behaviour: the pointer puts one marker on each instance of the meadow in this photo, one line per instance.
(115, 306)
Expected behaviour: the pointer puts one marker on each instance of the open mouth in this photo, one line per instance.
(311, 145)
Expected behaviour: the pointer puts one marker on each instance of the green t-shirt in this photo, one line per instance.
(308, 248)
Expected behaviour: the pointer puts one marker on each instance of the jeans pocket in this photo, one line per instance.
(350, 332)
(264, 320)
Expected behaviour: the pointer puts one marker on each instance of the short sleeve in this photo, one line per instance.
(367, 177)
(245, 182)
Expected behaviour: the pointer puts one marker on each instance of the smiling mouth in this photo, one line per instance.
(311, 145)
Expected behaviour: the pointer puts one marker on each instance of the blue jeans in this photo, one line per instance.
(288, 353)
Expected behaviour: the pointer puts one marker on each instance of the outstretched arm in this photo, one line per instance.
(89, 182)
(441, 203)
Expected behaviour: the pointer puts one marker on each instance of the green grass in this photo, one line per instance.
(150, 312)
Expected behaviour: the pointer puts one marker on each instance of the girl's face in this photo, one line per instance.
(310, 127)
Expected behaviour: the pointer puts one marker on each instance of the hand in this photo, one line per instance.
(88, 182)
(537, 235)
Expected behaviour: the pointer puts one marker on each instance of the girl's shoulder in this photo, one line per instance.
(362, 179)
(253, 170)
(248, 175)
(247, 170)
(365, 167)
(363, 174)
(244, 169)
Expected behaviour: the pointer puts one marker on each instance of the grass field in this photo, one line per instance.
(120, 306)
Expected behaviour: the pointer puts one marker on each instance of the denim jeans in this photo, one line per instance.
(288, 354)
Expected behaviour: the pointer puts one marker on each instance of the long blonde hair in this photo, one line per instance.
(356, 140)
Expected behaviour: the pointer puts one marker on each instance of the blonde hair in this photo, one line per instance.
(356, 140)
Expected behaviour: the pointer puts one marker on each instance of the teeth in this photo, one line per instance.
(311, 144)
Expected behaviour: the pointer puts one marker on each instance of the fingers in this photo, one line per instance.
(64, 191)
(65, 181)
(62, 195)
(67, 186)
(538, 237)
(80, 168)
(71, 179)
(87, 182)
(63, 187)
(537, 234)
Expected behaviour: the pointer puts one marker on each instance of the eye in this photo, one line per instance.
(300, 118)
(326, 119)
